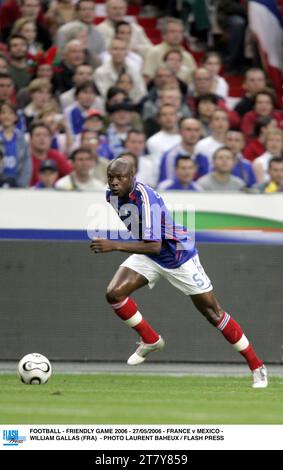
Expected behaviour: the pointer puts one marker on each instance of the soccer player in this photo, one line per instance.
(160, 248)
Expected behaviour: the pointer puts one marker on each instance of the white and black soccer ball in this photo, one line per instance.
(34, 369)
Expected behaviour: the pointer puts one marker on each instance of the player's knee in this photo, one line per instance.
(214, 315)
(113, 295)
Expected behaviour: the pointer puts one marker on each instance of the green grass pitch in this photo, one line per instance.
(136, 399)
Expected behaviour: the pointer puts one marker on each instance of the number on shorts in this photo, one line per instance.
(198, 280)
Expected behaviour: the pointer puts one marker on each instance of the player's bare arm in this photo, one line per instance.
(102, 245)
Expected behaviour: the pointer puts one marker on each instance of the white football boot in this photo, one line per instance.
(260, 377)
(143, 350)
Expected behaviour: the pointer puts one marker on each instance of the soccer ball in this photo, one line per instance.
(34, 369)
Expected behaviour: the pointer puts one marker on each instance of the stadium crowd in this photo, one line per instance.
(76, 93)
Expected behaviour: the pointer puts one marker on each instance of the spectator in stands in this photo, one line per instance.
(190, 131)
(274, 148)
(85, 101)
(173, 36)
(275, 182)
(205, 106)
(3, 63)
(30, 9)
(59, 13)
(255, 81)
(18, 65)
(202, 81)
(140, 173)
(264, 106)
(135, 144)
(16, 163)
(90, 139)
(40, 93)
(232, 18)
(83, 73)
(219, 125)
(5, 181)
(73, 55)
(116, 12)
(123, 31)
(40, 145)
(26, 27)
(168, 95)
(203, 85)
(256, 146)
(85, 15)
(107, 74)
(81, 178)
(94, 121)
(47, 175)
(61, 136)
(235, 141)
(221, 178)
(185, 170)
(166, 138)
(120, 115)
(125, 82)
(7, 89)
(212, 61)
(175, 61)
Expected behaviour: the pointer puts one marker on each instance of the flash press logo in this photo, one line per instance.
(11, 437)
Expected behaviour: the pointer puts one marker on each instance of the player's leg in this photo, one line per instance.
(192, 280)
(123, 284)
(207, 304)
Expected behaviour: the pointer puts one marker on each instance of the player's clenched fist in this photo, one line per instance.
(102, 245)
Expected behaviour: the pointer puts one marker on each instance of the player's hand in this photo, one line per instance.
(102, 245)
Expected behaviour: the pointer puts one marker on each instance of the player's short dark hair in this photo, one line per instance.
(75, 152)
(35, 125)
(85, 86)
(131, 154)
(125, 153)
(182, 157)
(274, 160)
(220, 149)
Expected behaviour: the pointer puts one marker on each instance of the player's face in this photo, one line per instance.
(120, 181)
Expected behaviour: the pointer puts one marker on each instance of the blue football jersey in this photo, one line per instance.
(147, 218)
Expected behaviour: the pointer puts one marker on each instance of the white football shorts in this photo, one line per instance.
(190, 277)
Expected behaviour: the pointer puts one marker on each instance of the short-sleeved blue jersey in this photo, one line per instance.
(147, 218)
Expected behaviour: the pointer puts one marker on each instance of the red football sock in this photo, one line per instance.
(232, 331)
(127, 310)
